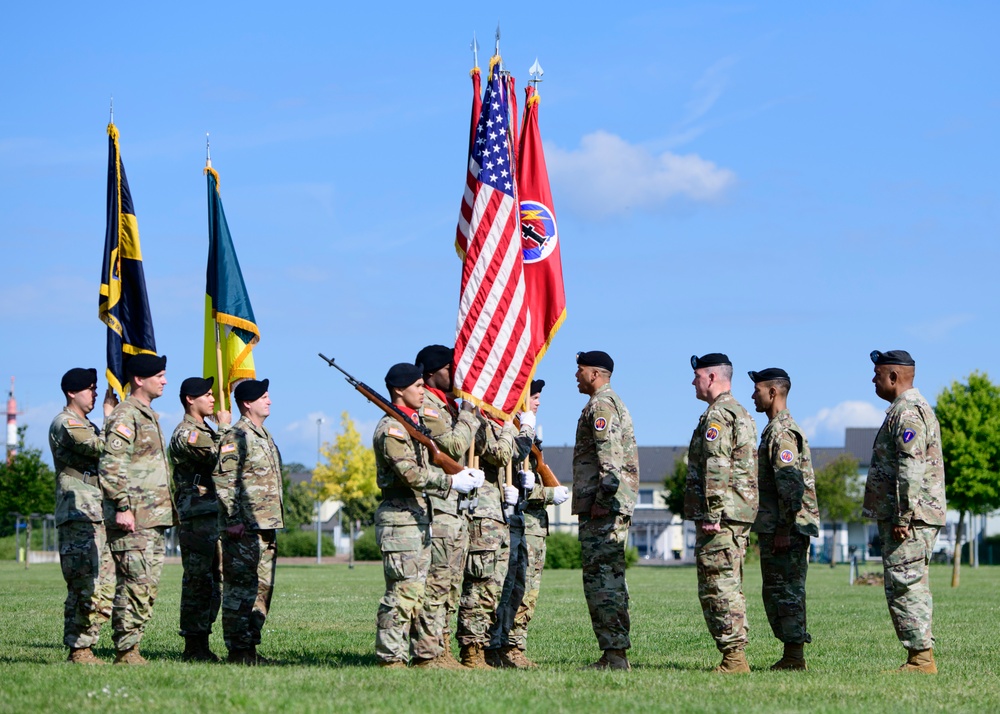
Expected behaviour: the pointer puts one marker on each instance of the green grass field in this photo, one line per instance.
(322, 630)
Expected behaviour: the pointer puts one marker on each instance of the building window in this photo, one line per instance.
(645, 497)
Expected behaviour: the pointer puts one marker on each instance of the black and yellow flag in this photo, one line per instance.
(123, 305)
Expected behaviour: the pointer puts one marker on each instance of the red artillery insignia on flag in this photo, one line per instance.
(713, 432)
(786, 456)
(538, 231)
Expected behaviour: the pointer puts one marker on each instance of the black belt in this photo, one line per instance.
(88, 477)
(388, 493)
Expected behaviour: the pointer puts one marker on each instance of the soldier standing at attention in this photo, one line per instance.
(721, 498)
(605, 486)
(194, 453)
(787, 515)
(403, 520)
(86, 562)
(251, 509)
(453, 430)
(905, 494)
(135, 478)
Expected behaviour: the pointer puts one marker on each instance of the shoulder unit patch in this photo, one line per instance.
(908, 435)
(712, 433)
(600, 424)
(786, 456)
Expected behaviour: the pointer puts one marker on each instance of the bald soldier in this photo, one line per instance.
(138, 508)
(605, 487)
(86, 562)
(904, 493)
(787, 516)
(721, 498)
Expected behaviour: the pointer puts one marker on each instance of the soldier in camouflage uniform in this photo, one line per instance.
(489, 536)
(721, 498)
(251, 511)
(787, 516)
(453, 430)
(194, 453)
(403, 524)
(135, 478)
(86, 562)
(605, 486)
(905, 494)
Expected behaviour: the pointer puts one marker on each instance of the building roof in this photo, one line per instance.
(859, 441)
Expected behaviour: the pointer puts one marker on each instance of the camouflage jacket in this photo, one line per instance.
(76, 445)
(785, 480)
(498, 446)
(906, 477)
(722, 465)
(453, 431)
(194, 453)
(404, 473)
(248, 478)
(134, 469)
(605, 458)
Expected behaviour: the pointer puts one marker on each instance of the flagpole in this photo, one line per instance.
(223, 390)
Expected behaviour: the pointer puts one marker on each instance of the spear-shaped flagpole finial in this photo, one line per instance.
(498, 39)
(208, 151)
(536, 73)
(112, 119)
(475, 51)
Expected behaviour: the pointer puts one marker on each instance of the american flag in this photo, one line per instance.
(494, 357)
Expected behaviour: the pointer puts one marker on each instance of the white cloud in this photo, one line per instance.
(606, 175)
(829, 423)
(297, 439)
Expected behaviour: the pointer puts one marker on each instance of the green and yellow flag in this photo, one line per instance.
(230, 328)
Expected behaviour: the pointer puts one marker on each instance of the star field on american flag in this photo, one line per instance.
(492, 151)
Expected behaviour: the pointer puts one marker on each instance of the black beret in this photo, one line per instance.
(434, 357)
(402, 375)
(196, 386)
(712, 359)
(596, 358)
(536, 386)
(145, 365)
(769, 374)
(250, 390)
(78, 379)
(901, 357)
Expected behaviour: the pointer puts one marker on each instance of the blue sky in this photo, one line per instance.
(794, 184)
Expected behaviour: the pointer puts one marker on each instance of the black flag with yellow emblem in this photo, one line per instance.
(123, 305)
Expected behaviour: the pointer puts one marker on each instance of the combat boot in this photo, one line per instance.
(493, 659)
(242, 656)
(196, 649)
(83, 655)
(261, 659)
(395, 664)
(473, 657)
(611, 659)
(734, 662)
(439, 662)
(794, 657)
(130, 656)
(513, 658)
(921, 661)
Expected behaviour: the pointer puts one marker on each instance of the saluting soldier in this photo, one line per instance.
(86, 562)
(194, 453)
(135, 478)
(721, 498)
(251, 508)
(787, 515)
(605, 487)
(403, 522)
(453, 430)
(905, 494)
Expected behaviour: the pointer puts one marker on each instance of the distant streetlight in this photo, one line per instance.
(319, 525)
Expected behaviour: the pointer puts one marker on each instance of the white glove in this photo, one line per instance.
(467, 479)
(510, 495)
(527, 419)
(527, 479)
(560, 495)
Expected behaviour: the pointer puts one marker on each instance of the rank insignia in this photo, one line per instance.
(124, 431)
(192, 437)
(712, 433)
(428, 412)
(227, 448)
(908, 435)
(786, 456)
(398, 433)
(600, 424)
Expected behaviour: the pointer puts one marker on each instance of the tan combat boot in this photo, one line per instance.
(439, 662)
(395, 664)
(611, 659)
(794, 658)
(83, 655)
(513, 658)
(447, 654)
(130, 656)
(734, 662)
(242, 656)
(473, 657)
(921, 661)
(196, 649)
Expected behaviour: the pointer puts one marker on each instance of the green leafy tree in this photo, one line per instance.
(349, 474)
(839, 495)
(27, 485)
(969, 415)
(675, 483)
(300, 498)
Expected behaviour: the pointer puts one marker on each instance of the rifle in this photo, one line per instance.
(549, 479)
(417, 432)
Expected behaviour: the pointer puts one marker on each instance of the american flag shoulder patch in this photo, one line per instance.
(192, 436)
(227, 448)
(124, 431)
(73, 422)
(397, 432)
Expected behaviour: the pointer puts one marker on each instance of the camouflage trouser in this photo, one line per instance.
(449, 546)
(518, 635)
(406, 558)
(89, 571)
(485, 570)
(719, 557)
(201, 587)
(784, 588)
(907, 586)
(138, 564)
(512, 593)
(602, 548)
(247, 584)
